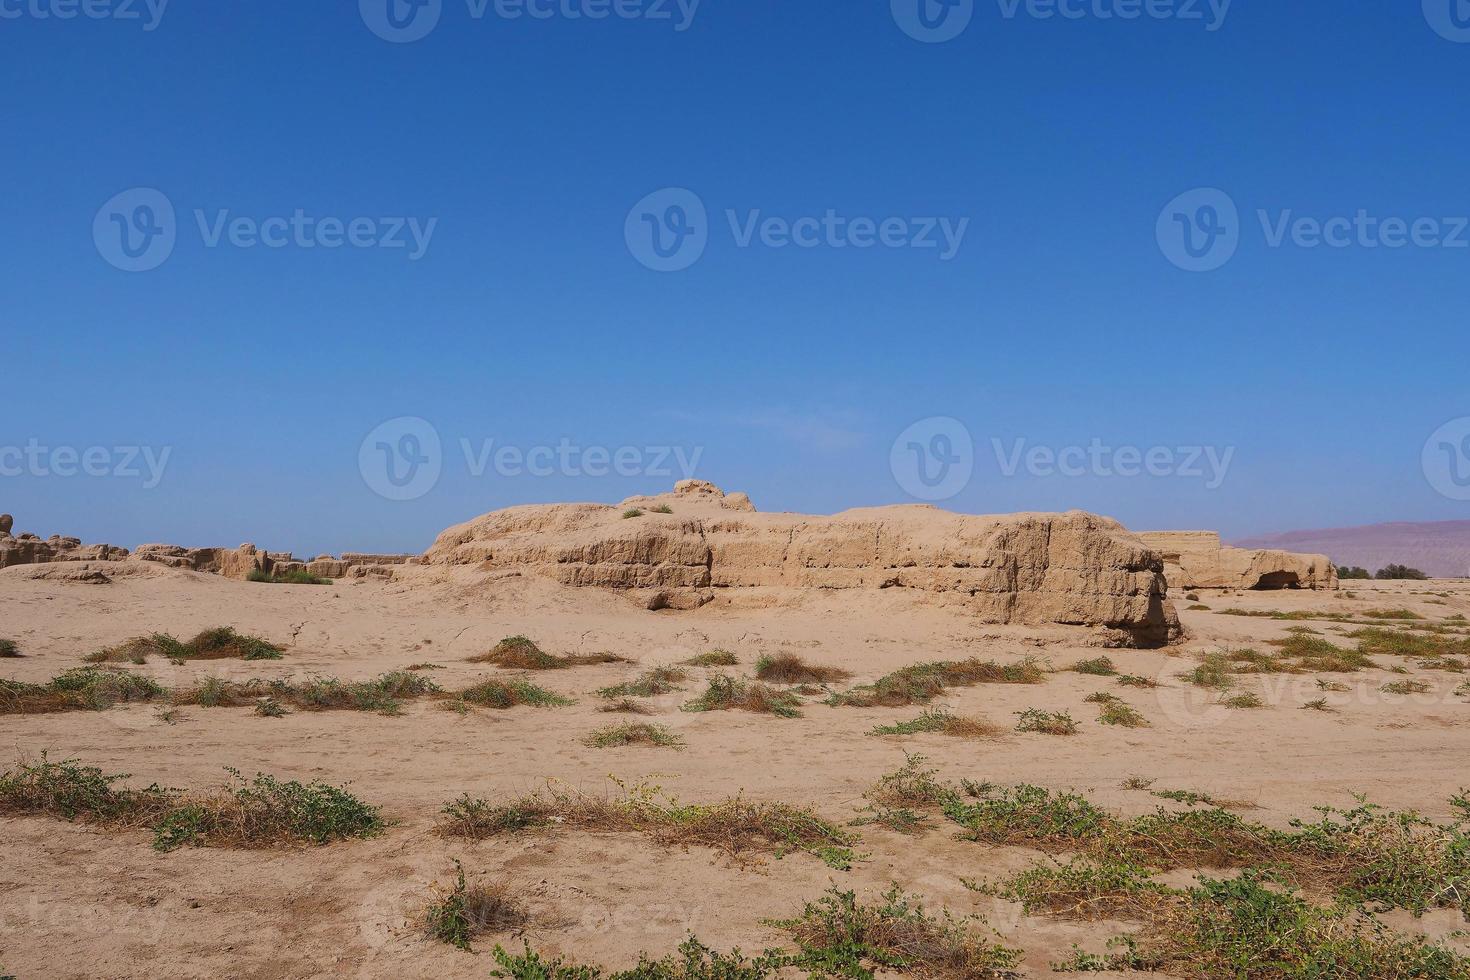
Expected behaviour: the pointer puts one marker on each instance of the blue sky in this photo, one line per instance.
(789, 372)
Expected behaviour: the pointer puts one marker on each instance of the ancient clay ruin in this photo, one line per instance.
(1197, 560)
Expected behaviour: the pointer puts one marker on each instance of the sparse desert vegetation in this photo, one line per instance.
(619, 736)
(522, 653)
(1096, 667)
(651, 683)
(251, 813)
(1046, 722)
(715, 658)
(219, 643)
(840, 936)
(79, 689)
(736, 826)
(788, 668)
(944, 723)
(1190, 871)
(922, 683)
(294, 577)
(463, 912)
(729, 693)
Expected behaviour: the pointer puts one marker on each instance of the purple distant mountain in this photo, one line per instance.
(1441, 548)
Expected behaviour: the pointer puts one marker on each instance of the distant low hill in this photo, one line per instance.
(1441, 548)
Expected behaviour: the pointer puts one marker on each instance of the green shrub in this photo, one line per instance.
(619, 736)
(840, 937)
(922, 683)
(715, 658)
(694, 961)
(72, 791)
(79, 689)
(265, 811)
(727, 693)
(509, 694)
(463, 912)
(1046, 722)
(652, 683)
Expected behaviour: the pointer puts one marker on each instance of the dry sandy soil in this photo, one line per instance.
(84, 901)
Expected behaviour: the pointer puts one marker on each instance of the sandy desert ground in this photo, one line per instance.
(83, 900)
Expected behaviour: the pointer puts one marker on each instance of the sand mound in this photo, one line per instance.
(86, 572)
(680, 550)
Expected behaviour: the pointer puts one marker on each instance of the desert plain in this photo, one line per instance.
(86, 897)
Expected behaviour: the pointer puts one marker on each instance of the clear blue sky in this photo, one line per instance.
(528, 320)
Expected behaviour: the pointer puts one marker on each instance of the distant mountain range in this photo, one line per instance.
(1441, 548)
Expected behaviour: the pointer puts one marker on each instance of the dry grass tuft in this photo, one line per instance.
(627, 706)
(788, 668)
(1046, 722)
(522, 653)
(922, 683)
(735, 826)
(944, 723)
(839, 936)
(619, 736)
(80, 689)
(650, 684)
(219, 643)
(263, 812)
(510, 694)
(9, 649)
(715, 658)
(728, 693)
(463, 912)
